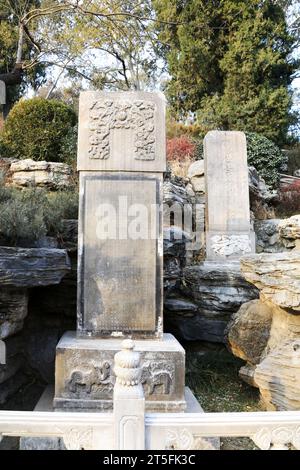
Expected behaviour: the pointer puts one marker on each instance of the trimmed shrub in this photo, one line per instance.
(266, 157)
(37, 129)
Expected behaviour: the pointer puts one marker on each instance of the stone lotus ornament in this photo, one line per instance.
(127, 365)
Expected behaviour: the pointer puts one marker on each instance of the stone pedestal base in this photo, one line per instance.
(229, 245)
(84, 377)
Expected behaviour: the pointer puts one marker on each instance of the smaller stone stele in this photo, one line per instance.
(228, 230)
(2, 92)
(85, 376)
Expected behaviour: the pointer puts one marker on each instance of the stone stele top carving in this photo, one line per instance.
(122, 131)
(137, 115)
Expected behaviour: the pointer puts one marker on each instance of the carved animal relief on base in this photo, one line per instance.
(95, 378)
(136, 115)
(157, 378)
(90, 380)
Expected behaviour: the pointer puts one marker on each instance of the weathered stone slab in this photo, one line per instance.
(85, 377)
(2, 92)
(32, 267)
(122, 131)
(228, 233)
(120, 270)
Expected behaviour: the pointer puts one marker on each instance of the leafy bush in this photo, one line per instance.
(60, 205)
(265, 156)
(289, 200)
(21, 216)
(37, 129)
(27, 215)
(180, 148)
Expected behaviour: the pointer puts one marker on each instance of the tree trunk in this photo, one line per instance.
(14, 77)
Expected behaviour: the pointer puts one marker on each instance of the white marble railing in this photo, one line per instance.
(129, 428)
(268, 430)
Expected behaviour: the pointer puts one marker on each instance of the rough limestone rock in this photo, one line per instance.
(266, 333)
(278, 377)
(46, 174)
(268, 239)
(175, 241)
(13, 310)
(198, 184)
(248, 331)
(246, 373)
(20, 270)
(289, 231)
(196, 176)
(210, 293)
(270, 346)
(262, 197)
(276, 275)
(31, 267)
(196, 169)
(258, 187)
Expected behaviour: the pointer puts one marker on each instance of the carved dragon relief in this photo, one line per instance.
(137, 115)
(157, 379)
